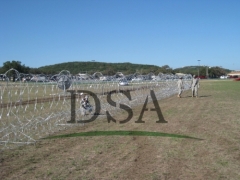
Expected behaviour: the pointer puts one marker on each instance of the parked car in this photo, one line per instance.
(223, 77)
(136, 79)
(201, 77)
(237, 79)
(38, 79)
(123, 82)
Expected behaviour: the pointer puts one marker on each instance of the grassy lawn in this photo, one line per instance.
(199, 141)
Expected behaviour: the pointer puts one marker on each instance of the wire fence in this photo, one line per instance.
(35, 106)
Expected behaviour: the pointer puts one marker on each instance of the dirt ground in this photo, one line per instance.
(212, 151)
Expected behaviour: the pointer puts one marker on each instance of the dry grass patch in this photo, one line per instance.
(213, 119)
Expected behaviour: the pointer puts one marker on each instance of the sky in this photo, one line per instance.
(177, 33)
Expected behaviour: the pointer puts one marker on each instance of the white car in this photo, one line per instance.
(38, 79)
(123, 83)
(223, 77)
(137, 79)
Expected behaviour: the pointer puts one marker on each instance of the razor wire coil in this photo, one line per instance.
(34, 106)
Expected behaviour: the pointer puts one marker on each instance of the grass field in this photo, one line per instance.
(200, 141)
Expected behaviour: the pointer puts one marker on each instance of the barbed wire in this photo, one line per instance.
(34, 106)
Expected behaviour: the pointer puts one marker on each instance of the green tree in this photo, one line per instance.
(14, 65)
(215, 72)
(166, 70)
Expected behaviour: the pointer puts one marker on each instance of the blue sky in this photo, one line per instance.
(158, 32)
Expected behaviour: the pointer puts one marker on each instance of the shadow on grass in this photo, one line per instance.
(206, 96)
(122, 133)
(195, 97)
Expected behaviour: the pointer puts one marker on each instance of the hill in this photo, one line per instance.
(91, 67)
(129, 68)
(105, 68)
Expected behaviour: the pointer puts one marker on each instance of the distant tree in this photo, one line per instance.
(215, 72)
(15, 65)
(167, 70)
(36, 71)
(202, 71)
(110, 72)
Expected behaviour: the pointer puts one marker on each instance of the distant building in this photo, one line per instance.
(234, 74)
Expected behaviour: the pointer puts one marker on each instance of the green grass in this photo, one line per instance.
(221, 88)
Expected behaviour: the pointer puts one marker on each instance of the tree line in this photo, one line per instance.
(204, 71)
(111, 68)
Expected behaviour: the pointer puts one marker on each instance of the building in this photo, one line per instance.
(234, 74)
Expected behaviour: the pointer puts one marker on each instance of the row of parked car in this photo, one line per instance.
(227, 77)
